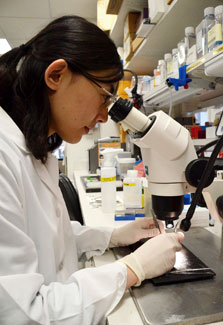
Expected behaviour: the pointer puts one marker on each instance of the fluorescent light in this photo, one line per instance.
(4, 46)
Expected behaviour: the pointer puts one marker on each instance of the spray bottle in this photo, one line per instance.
(108, 180)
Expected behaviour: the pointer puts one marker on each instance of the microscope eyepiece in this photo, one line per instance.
(120, 109)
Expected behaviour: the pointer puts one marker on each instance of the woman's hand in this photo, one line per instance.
(134, 231)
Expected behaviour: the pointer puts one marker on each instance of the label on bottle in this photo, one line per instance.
(108, 179)
(169, 67)
(199, 43)
(191, 55)
(129, 184)
(214, 36)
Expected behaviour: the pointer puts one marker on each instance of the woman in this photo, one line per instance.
(52, 89)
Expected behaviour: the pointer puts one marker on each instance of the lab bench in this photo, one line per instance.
(126, 311)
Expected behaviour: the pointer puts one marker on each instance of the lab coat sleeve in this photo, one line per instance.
(91, 241)
(87, 296)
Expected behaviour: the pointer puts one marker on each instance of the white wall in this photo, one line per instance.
(110, 128)
(76, 155)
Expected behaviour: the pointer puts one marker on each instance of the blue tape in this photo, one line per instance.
(140, 215)
(125, 217)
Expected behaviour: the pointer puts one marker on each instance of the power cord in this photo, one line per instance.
(137, 98)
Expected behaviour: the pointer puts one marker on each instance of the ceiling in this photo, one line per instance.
(22, 19)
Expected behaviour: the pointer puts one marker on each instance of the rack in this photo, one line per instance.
(167, 33)
(200, 85)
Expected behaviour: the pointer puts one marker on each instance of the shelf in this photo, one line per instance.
(160, 96)
(117, 32)
(167, 33)
(200, 84)
(198, 67)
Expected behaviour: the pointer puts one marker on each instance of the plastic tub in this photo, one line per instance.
(124, 164)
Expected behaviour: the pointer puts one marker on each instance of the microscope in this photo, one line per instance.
(171, 163)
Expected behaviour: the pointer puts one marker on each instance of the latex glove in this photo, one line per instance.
(134, 231)
(155, 257)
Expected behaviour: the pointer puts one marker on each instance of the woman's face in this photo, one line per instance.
(76, 105)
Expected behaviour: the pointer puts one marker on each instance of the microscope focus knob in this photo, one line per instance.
(185, 224)
(195, 170)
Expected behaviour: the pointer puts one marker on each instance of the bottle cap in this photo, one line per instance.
(132, 173)
(160, 62)
(167, 56)
(174, 51)
(189, 30)
(218, 10)
(208, 11)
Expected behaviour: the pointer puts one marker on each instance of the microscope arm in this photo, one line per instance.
(166, 149)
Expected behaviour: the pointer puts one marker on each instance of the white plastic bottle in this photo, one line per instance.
(132, 190)
(181, 52)
(157, 74)
(108, 189)
(162, 67)
(219, 25)
(200, 40)
(190, 45)
(209, 27)
(108, 182)
(169, 64)
(175, 63)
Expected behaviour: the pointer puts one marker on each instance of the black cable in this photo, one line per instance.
(208, 145)
(134, 89)
(185, 223)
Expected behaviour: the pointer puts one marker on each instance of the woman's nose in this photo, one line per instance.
(103, 116)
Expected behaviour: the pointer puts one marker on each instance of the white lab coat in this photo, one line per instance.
(39, 247)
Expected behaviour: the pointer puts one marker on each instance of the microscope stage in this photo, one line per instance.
(183, 300)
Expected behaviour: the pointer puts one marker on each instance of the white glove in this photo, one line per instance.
(155, 257)
(134, 231)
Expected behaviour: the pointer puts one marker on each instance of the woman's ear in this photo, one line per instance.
(54, 73)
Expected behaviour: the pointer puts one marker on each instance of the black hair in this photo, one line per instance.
(23, 91)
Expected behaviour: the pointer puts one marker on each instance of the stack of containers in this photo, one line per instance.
(197, 42)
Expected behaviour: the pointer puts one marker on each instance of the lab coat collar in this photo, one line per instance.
(47, 172)
(9, 128)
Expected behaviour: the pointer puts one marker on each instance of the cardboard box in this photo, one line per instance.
(157, 9)
(144, 14)
(144, 29)
(127, 46)
(113, 7)
(130, 24)
(136, 43)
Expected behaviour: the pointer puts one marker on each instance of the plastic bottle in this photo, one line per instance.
(190, 38)
(157, 74)
(175, 63)
(162, 68)
(169, 64)
(181, 52)
(209, 28)
(132, 190)
(200, 40)
(219, 25)
(190, 45)
(108, 184)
